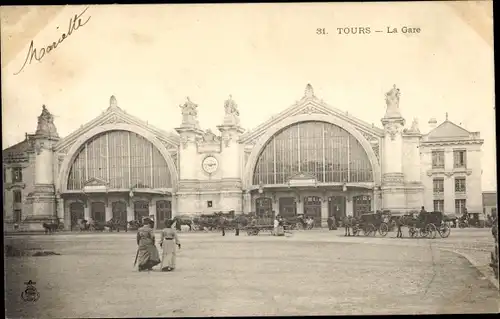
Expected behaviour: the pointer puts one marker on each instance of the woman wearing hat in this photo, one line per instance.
(168, 242)
(147, 254)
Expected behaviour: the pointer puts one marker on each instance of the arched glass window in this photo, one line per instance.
(321, 149)
(124, 159)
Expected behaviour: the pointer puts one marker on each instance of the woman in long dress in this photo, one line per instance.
(169, 240)
(147, 255)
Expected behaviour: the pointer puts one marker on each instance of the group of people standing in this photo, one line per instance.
(147, 254)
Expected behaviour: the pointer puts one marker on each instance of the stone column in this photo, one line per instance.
(86, 211)
(152, 212)
(300, 205)
(349, 207)
(175, 204)
(108, 211)
(247, 202)
(276, 205)
(324, 212)
(130, 210)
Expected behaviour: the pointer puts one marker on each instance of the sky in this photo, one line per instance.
(152, 57)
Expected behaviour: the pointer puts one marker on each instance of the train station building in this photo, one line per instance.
(310, 158)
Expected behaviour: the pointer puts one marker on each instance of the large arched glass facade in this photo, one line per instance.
(321, 149)
(122, 158)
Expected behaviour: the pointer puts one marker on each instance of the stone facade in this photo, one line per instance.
(211, 172)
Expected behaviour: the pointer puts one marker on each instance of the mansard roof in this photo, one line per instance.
(114, 114)
(310, 104)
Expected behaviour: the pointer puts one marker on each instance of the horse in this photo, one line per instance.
(351, 223)
(53, 226)
(183, 221)
(116, 224)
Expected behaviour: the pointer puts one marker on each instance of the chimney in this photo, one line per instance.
(432, 124)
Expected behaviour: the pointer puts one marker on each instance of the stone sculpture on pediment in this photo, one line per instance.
(392, 102)
(209, 137)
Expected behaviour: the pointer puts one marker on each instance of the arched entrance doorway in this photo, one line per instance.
(76, 211)
(361, 204)
(119, 210)
(98, 212)
(141, 210)
(312, 208)
(264, 207)
(336, 207)
(163, 212)
(288, 207)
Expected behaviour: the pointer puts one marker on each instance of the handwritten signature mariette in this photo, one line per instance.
(74, 24)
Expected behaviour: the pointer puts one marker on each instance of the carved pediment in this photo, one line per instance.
(302, 176)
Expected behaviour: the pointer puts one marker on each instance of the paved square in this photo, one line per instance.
(309, 273)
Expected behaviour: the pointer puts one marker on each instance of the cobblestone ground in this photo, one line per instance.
(309, 273)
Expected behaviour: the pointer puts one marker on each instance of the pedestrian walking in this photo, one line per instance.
(169, 241)
(147, 253)
(399, 224)
(222, 222)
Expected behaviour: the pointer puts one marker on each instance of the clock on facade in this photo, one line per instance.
(210, 164)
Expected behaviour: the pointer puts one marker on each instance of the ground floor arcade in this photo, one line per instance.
(118, 206)
(314, 202)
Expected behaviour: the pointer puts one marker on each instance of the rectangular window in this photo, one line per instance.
(439, 205)
(17, 197)
(459, 159)
(438, 185)
(17, 216)
(437, 159)
(17, 175)
(459, 206)
(460, 185)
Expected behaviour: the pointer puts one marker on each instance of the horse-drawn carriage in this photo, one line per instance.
(427, 224)
(472, 219)
(371, 223)
(257, 225)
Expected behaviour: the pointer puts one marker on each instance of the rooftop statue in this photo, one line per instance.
(309, 92)
(392, 101)
(189, 108)
(189, 113)
(232, 113)
(46, 124)
(414, 126)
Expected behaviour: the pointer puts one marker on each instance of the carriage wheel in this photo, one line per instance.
(431, 230)
(444, 230)
(423, 232)
(383, 229)
(372, 231)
